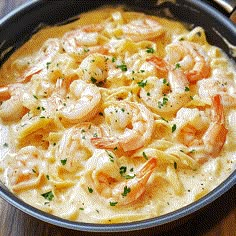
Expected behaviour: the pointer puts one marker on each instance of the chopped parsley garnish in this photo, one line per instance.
(86, 50)
(63, 162)
(47, 176)
(192, 151)
(123, 67)
(129, 176)
(48, 195)
(113, 203)
(48, 64)
(142, 83)
(123, 170)
(34, 171)
(126, 191)
(113, 59)
(173, 128)
(111, 157)
(5, 145)
(145, 156)
(177, 66)
(164, 102)
(35, 96)
(175, 165)
(187, 89)
(150, 50)
(81, 208)
(90, 189)
(93, 80)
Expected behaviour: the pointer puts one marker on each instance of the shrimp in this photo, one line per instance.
(218, 85)
(42, 59)
(94, 68)
(74, 41)
(132, 123)
(116, 189)
(189, 57)
(26, 169)
(75, 146)
(12, 107)
(142, 29)
(212, 140)
(175, 89)
(82, 103)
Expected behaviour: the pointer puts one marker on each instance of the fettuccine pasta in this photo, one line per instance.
(116, 117)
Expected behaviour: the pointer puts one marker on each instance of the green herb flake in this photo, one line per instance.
(48, 64)
(34, 171)
(142, 83)
(113, 203)
(129, 176)
(173, 128)
(47, 176)
(35, 97)
(48, 195)
(81, 208)
(5, 145)
(126, 191)
(150, 50)
(93, 80)
(86, 50)
(145, 156)
(175, 165)
(63, 162)
(187, 89)
(123, 67)
(111, 157)
(90, 189)
(177, 66)
(123, 170)
(113, 59)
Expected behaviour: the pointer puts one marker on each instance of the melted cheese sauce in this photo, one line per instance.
(116, 117)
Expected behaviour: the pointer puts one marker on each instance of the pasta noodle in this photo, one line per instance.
(126, 118)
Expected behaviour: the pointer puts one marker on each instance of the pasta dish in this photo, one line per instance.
(116, 117)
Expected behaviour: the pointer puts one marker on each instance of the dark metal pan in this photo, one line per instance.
(20, 24)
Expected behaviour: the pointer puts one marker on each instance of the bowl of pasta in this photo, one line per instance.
(116, 116)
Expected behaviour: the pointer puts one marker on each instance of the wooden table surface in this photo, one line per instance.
(218, 219)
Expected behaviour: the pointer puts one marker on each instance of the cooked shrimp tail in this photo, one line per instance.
(4, 93)
(215, 136)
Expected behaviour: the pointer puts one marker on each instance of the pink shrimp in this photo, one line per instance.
(189, 57)
(213, 139)
(124, 192)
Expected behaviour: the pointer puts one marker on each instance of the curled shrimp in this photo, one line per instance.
(175, 89)
(115, 188)
(212, 140)
(12, 107)
(218, 85)
(74, 41)
(94, 68)
(132, 126)
(82, 103)
(75, 146)
(189, 57)
(25, 170)
(142, 29)
(41, 60)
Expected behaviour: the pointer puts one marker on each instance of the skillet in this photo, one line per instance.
(18, 26)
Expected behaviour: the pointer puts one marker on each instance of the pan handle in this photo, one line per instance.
(229, 6)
